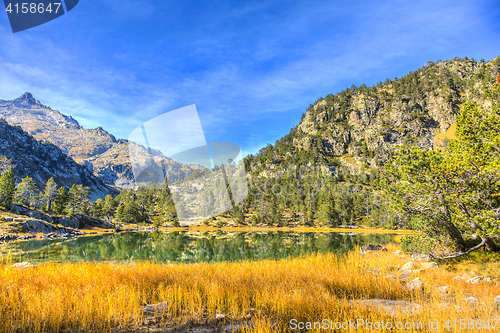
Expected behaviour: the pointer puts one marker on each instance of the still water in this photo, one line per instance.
(187, 246)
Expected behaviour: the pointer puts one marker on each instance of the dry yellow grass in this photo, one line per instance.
(441, 137)
(109, 296)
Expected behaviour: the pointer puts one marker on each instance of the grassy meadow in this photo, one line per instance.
(108, 297)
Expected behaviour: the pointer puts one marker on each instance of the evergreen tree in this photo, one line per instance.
(7, 188)
(78, 200)
(109, 207)
(27, 192)
(50, 193)
(451, 197)
(60, 201)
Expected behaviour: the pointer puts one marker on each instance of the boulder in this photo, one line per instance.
(404, 276)
(497, 301)
(445, 294)
(20, 210)
(69, 222)
(478, 279)
(38, 226)
(420, 257)
(152, 309)
(471, 300)
(429, 265)
(408, 266)
(373, 247)
(22, 265)
(415, 284)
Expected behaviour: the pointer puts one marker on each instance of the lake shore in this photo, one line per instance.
(13, 228)
(264, 296)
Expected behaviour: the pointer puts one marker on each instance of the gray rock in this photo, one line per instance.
(405, 275)
(152, 309)
(420, 257)
(471, 300)
(477, 279)
(429, 265)
(415, 284)
(21, 265)
(373, 247)
(69, 222)
(38, 226)
(408, 266)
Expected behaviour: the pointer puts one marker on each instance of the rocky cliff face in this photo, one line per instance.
(365, 124)
(96, 149)
(42, 160)
(46, 124)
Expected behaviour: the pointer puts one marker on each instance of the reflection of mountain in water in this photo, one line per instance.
(188, 247)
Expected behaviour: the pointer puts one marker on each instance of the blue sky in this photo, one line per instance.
(251, 67)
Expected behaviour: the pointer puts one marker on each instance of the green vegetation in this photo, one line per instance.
(451, 197)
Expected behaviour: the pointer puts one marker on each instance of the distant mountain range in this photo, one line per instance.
(96, 149)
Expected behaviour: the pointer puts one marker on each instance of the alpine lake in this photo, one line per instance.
(188, 246)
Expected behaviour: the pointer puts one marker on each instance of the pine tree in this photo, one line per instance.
(60, 201)
(109, 207)
(27, 192)
(50, 193)
(7, 188)
(78, 200)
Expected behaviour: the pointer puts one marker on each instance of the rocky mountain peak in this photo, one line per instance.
(27, 100)
(103, 133)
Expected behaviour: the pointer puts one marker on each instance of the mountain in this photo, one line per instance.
(46, 124)
(42, 160)
(363, 125)
(96, 149)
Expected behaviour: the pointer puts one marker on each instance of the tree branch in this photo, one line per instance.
(459, 254)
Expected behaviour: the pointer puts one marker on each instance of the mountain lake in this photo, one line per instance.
(187, 246)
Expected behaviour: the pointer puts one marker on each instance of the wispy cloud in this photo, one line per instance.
(251, 68)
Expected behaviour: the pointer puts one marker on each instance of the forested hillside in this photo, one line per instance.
(326, 170)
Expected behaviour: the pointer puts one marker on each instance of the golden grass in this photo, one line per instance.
(441, 137)
(99, 297)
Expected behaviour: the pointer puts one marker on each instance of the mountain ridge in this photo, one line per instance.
(43, 160)
(96, 149)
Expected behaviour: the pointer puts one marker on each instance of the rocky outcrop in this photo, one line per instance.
(43, 160)
(76, 222)
(69, 222)
(32, 225)
(366, 124)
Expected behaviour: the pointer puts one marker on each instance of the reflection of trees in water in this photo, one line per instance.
(193, 247)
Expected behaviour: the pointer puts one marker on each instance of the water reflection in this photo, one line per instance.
(188, 247)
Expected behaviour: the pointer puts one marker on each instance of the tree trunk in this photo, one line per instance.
(453, 231)
(491, 246)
